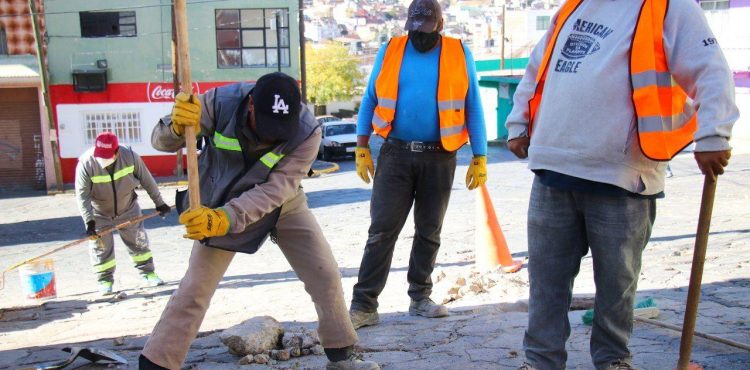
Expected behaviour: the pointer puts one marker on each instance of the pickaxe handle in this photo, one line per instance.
(183, 55)
(696, 273)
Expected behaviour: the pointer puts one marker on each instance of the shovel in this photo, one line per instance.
(90, 353)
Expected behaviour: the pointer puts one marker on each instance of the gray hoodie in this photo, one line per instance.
(586, 123)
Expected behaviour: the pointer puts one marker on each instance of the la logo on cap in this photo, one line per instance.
(280, 105)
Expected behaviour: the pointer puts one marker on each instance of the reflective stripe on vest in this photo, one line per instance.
(453, 85)
(116, 176)
(666, 116)
(270, 159)
(226, 143)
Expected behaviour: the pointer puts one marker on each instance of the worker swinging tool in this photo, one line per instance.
(259, 141)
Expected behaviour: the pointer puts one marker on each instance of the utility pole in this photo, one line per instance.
(502, 38)
(303, 64)
(45, 95)
(278, 40)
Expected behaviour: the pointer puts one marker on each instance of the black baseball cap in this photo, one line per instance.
(424, 16)
(276, 103)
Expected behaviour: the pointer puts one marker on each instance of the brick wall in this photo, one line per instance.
(21, 158)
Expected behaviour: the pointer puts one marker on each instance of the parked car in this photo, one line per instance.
(326, 118)
(339, 138)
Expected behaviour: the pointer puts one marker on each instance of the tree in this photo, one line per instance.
(332, 74)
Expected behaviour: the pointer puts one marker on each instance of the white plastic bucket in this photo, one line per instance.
(38, 280)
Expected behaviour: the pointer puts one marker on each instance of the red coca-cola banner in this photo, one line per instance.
(162, 92)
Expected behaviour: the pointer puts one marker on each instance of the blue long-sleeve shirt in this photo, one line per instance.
(416, 109)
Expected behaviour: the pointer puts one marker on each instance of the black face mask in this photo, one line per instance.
(424, 41)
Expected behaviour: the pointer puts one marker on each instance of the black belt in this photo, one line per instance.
(416, 146)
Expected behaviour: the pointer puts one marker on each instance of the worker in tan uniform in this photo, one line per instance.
(260, 141)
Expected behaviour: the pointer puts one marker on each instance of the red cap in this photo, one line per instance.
(106, 145)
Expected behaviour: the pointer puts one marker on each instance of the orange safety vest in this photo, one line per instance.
(666, 117)
(453, 84)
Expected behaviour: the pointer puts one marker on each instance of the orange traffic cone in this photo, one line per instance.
(491, 247)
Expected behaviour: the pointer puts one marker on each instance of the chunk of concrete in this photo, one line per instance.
(253, 336)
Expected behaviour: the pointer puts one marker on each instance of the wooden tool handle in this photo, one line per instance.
(183, 55)
(696, 273)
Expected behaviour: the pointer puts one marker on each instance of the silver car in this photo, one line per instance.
(339, 139)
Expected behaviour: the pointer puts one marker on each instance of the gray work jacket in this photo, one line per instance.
(249, 181)
(108, 195)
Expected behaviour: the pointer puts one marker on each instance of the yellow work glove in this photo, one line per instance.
(186, 112)
(476, 176)
(365, 167)
(205, 222)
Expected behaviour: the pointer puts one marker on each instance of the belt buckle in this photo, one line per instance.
(417, 146)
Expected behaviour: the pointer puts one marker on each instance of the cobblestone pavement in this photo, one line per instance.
(484, 330)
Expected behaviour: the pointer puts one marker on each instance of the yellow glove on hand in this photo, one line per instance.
(186, 112)
(205, 222)
(476, 176)
(365, 167)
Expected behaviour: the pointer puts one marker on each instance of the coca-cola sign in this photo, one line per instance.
(164, 92)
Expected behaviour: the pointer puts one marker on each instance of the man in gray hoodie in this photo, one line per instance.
(595, 113)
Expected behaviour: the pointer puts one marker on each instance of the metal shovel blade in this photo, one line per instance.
(89, 353)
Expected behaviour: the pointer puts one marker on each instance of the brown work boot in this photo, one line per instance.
(427, 308)
(354, 362)
(362, 318)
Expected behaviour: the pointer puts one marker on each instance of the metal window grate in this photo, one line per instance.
(3, 42)
(126, 125)
(714, 4)
(247, 38)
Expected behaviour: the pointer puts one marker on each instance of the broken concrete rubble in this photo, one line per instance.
(253, 336)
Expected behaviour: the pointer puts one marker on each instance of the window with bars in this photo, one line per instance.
(247, 38)
(107, 24)
(126, 125)
(714, 4)
(542, 22)
(3, 42)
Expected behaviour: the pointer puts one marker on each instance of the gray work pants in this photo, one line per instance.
(304, 246)
(102, 250)
(562, 227)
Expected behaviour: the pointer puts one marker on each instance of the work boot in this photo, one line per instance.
(620, 365)
(354, 362)
(526, 366)
(105, 287)
(152, 279)
(362, 318)
(427, 308)
(146, 364)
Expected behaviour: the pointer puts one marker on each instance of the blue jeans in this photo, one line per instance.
(562, 226)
